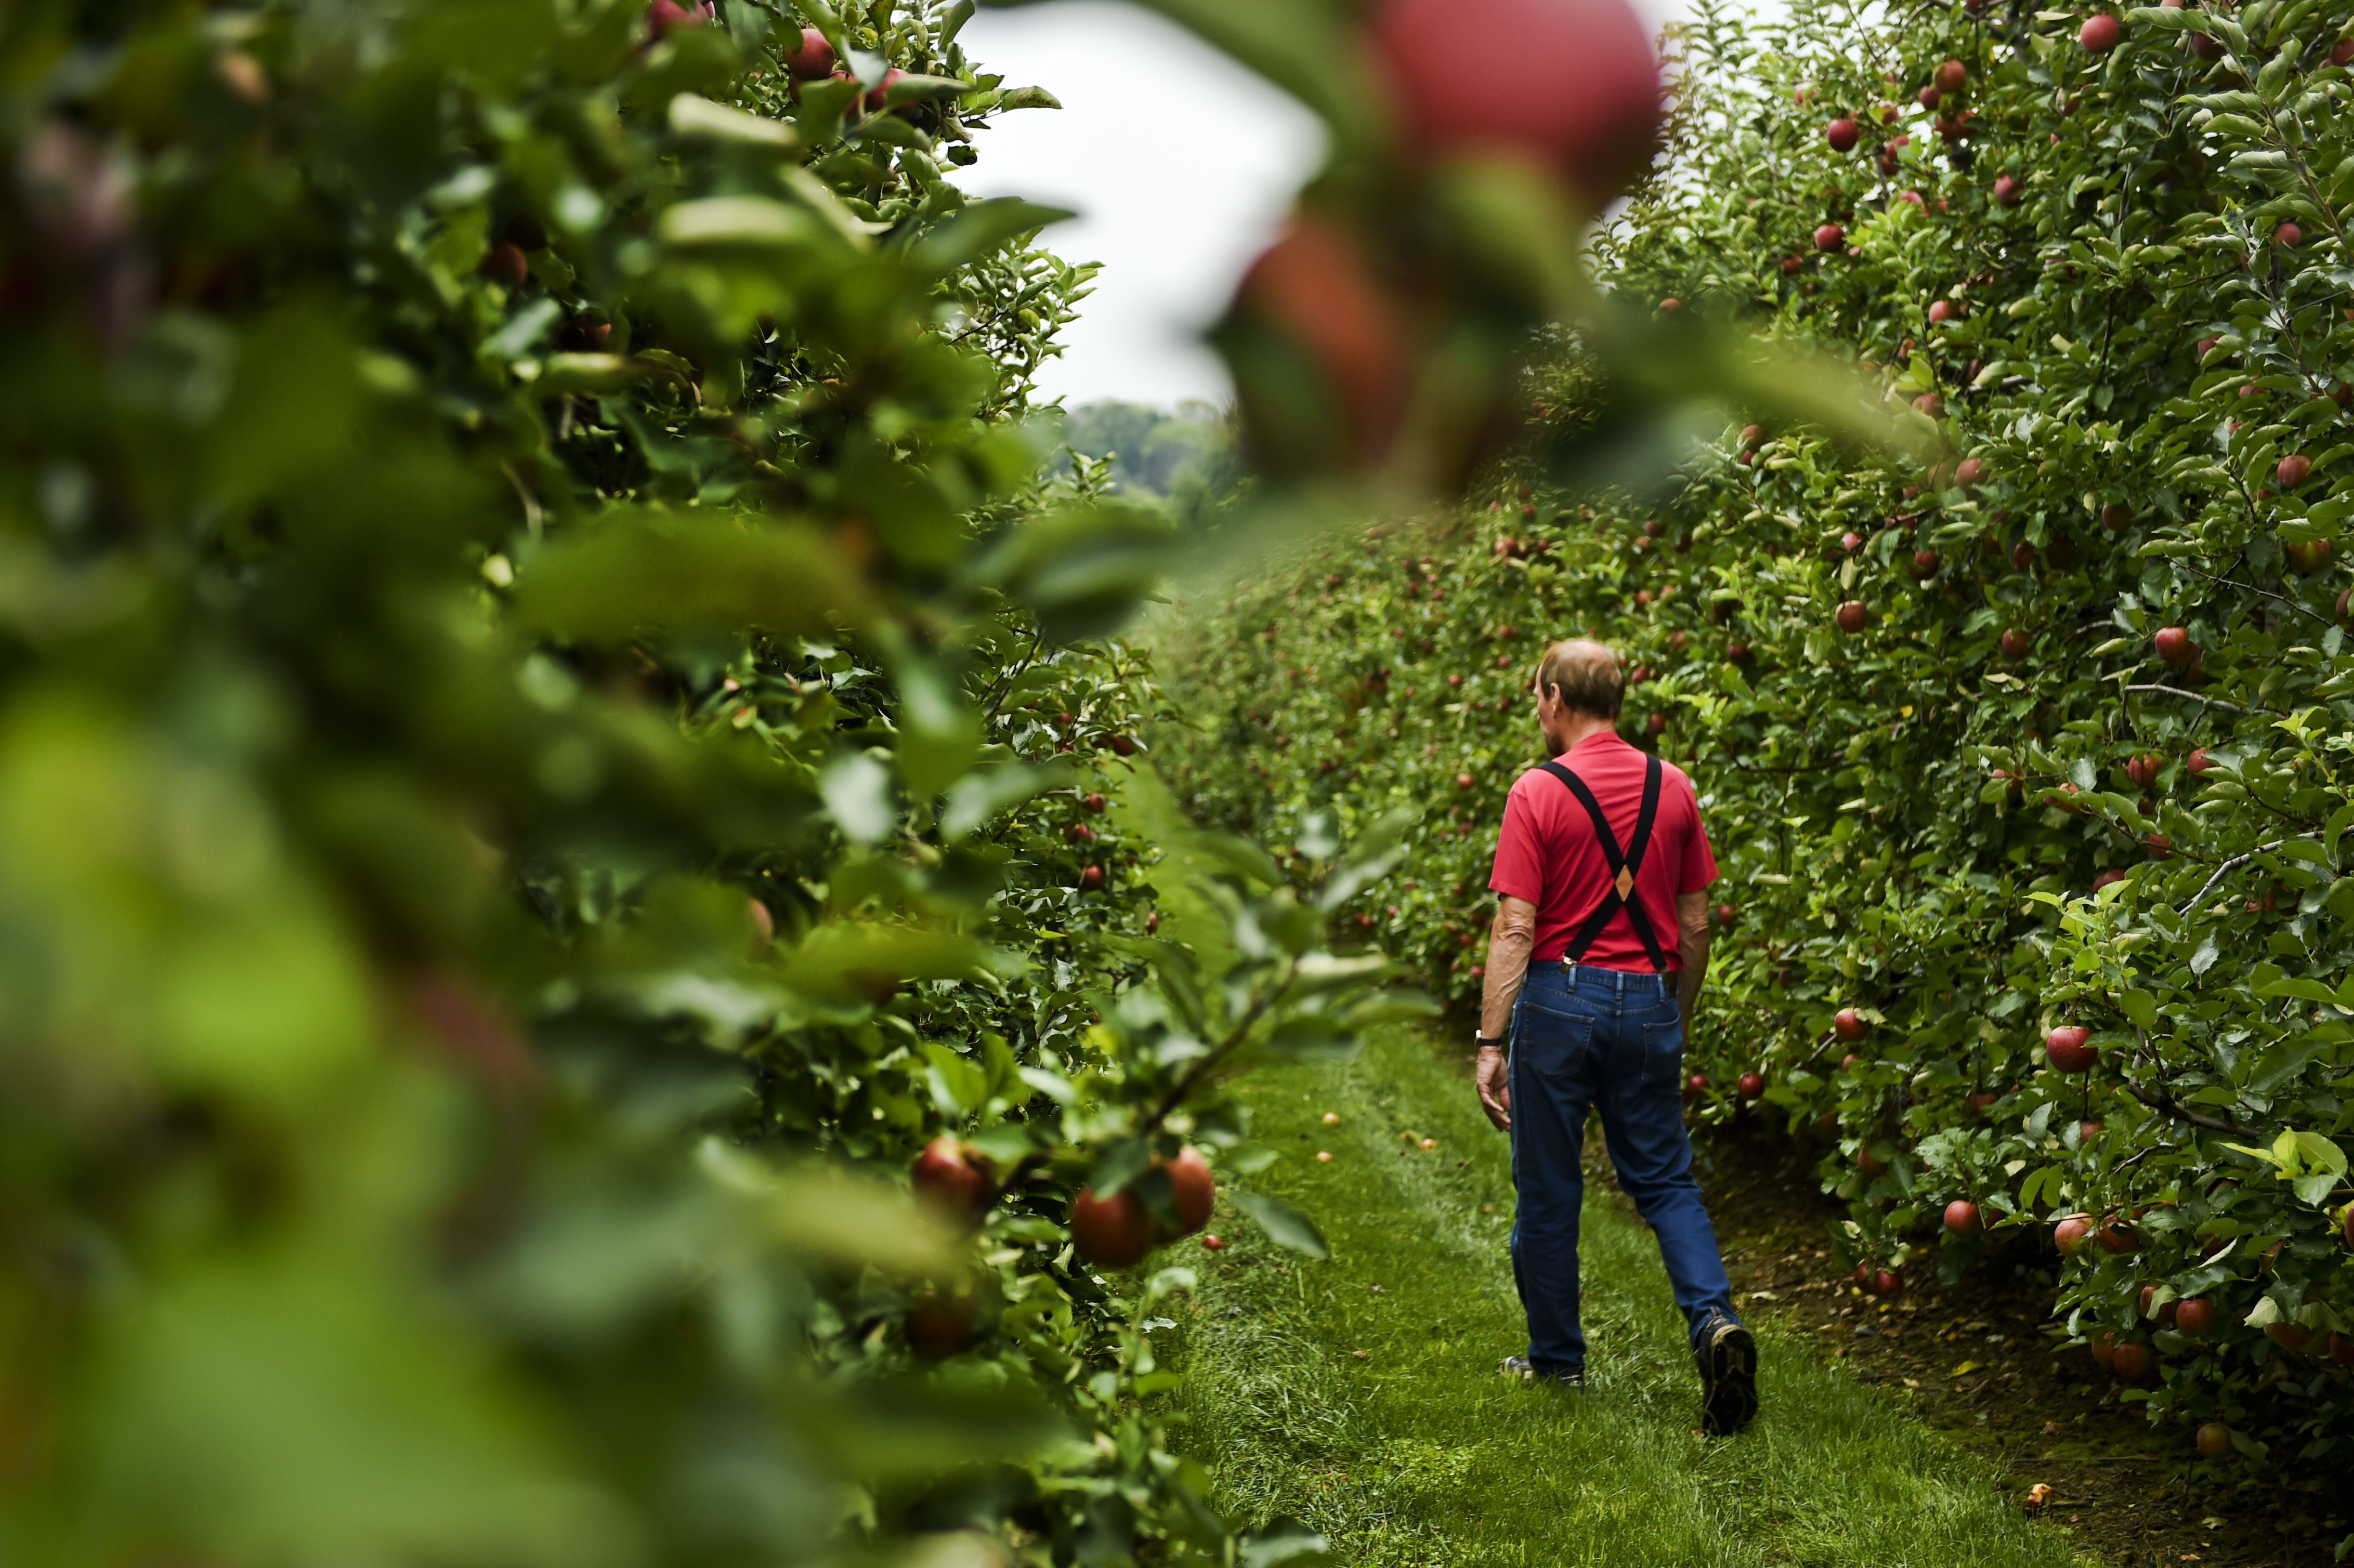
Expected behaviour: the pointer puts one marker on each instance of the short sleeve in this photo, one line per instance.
(1699, 868)
(1520, 870)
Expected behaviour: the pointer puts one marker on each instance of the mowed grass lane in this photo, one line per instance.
(1358, 1395)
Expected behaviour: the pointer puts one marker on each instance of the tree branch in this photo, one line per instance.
(2180, 1112)
(2196, 697)
(2235, 863)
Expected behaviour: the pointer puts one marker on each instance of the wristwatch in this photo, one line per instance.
(1484, 1044)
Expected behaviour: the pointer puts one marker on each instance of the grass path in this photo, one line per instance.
(1358, 1395)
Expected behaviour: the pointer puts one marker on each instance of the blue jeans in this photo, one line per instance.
(1610, 1040)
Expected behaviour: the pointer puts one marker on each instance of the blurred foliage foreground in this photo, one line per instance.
(2028, 763)
(551, 736)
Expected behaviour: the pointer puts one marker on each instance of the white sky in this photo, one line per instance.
(1180, 162)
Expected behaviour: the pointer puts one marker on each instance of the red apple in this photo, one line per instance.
(2143, 769)
(2292, 470)
(1847, 1061)
(1079, 833)
(2071, 1233)
(1864, 1276)
(1736, 651)
(1970, 472)
(1852, 616)
(1848, 1023)
(2214, 1437)
(952, 1178)
(1888, 1285)
(762, 921)
(1114, 1232)
(2016, 644)
(506, 262)
(1314, 288)
(1091, 878)
(1952, 76)
(2288, 236)
(1870, 1163)
(879, 94)
(2007, 190)
(1751, 1085)
(2114, 515)
(1095, 803)
(665, 17)
(1696, 1085)
(1926, 564)
(2195, 1316)
(2070, 1048)
(1849, 543)
(1790, 265)
(1962, 1218)
(2023, 556)
(2294, 1337)
(2308, 556)
(2163, 1316)
(1830, 237)
(1572, 83)
(1753, 435)
(2174, 645)
(1929, 95)
(1944, 310)
(2103, 1346)
(1195, 1187)
(814, 60)
(1464, 782)
(938, 1327)
(1841, 133)
(2099, 35)
(2199, 761)
(2115, 1238)
(2132, 1361)
(1725, 914)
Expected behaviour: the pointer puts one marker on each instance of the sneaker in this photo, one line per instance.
(1728, 1376)
(1522, 1369)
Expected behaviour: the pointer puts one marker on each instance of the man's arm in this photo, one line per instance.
(1511, 940)
(1691, 940)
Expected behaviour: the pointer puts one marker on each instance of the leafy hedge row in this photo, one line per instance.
(1962, 780)
(552, 736)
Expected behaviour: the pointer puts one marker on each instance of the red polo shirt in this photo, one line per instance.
(1548, 855)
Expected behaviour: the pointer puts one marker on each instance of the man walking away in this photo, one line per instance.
(1599, 945)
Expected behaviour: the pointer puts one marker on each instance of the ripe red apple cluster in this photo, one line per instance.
(1118, 1231)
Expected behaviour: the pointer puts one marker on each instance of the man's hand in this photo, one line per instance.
(1495, 1087)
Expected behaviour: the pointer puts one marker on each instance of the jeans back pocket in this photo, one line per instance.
(1551, 1039)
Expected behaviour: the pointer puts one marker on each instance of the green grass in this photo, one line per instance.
(1418, 1454)
(1360, 1396)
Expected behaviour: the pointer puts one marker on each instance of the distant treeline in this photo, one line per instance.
(1185, 457)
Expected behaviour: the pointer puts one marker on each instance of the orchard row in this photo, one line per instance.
(2023, 734)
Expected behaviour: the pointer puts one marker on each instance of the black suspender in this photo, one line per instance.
(1620, 894)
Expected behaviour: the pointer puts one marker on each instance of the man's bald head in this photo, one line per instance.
(1587, 674)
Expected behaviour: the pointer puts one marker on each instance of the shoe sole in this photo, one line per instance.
(1729, 1372)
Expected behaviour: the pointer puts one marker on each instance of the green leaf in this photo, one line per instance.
(1284, 1226)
